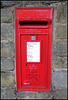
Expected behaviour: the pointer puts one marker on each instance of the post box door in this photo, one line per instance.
(34, 60)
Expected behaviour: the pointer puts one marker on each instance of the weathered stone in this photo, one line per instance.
(61, 93)
(7, 79)
(8, 3)
(25, 95)
(60, 62)
(33, 4)
(61, 49)
(59, 79)
(62, 13)
(29, 5)
(6, 64)
(44, 95)
(61, 31)
(38, 3)
(5, 16)
(7, 32)
(7, 93)
(50, 1)
(7, 49)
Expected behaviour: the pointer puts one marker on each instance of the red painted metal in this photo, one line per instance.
(33, 76)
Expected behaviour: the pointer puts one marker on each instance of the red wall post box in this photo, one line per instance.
(33, 27)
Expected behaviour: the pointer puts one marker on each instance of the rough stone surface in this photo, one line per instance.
(29, 5)
(25, 95)
(59, 79)
(36, 4)
(7, 49)
(7, 93)
(8, 3)
(60, 49)
(7, 79)
(50, 1)
(5, 16)
(7, 32)
(7, 64)
(44, 95)
(61, 93)
(62, 13)
(61, 31)
(60, 62)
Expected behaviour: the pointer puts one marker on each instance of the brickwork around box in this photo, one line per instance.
(59, 51)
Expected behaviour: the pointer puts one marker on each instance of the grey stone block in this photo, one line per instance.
(50, 1)
(7, 32)
(6, 15)
(59, 79)
(62, 13)
(25, 95)
(44, 95)
(29, 5)
(61, 31)
(7, 49)
(8, 3)
(61, 93)
(59, 62)
(60, 49)
(7, 64)
(7, 93)
(7, 79)
(34, 95)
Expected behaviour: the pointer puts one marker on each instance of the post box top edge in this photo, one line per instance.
(33, 13)
(33, 8)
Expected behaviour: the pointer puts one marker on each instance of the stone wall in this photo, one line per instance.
(59, 51)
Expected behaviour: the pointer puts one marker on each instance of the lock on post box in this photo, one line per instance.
(33, 27)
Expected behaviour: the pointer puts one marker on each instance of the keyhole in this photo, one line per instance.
(26, 64)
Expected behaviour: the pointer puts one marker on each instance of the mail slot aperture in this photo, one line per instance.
(33, 22)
